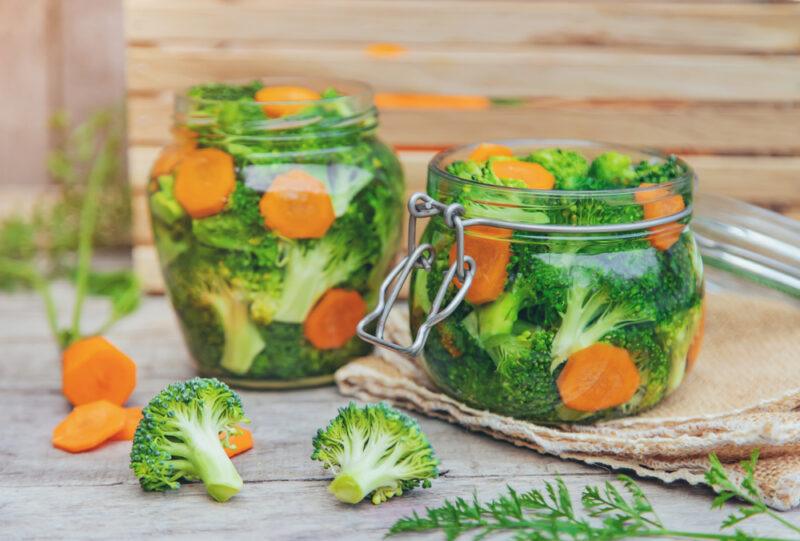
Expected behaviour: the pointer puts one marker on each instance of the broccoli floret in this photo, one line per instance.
(163, 204)
(569, 167)
(374, 451)
(589, 316)
(680, 333)
(178, 438)
(483, 172)
(613, 169)
(657, 171)
(242, 339)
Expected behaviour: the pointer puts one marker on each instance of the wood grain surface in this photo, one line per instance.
(49, 494)
(716, 82)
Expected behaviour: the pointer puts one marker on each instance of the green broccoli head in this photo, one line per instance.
(657, 172)
(375, 451)
(613, 168)
(178, 438)
(569, 167)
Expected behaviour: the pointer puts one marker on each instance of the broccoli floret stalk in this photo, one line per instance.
(681, 332)
(163, 204)
(312, 268)
(178, 438)
(589, 316)
(375, 451)
(242, 339)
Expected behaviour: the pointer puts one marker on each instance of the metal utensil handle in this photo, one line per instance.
(421, 257)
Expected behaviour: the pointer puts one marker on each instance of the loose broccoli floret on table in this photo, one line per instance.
(375, 451)
(178, 438)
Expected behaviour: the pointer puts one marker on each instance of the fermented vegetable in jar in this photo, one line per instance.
(580, 296)
(276, 211)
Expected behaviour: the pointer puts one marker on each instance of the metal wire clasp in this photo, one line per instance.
(421, 256)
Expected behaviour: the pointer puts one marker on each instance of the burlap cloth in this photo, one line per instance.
(744, 393)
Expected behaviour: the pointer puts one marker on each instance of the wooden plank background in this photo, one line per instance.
(54, 56)
(715, 81)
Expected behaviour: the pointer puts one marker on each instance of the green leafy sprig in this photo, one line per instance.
(57, 239)
(609, 512)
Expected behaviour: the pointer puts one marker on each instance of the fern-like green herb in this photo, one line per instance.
(57, 239)
(609, 512)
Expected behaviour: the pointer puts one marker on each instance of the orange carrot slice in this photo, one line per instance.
(490, 247)
(88, 425)
(132, 418)
(239, 443)
(297, 206)
(430, 101)
(598, 377)
(185, 140)
(93, 369)
(697, 341)
(533, 175)
(332, 322)
(280, 95)
(484, 151)
(204, 180)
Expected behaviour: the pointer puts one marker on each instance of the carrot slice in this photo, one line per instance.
(332, 322)
(430, 101)
(484, 151)
(533, 175)
(490, 247)
(697, 341)
(297, 206)
(643, 196)
(204, 180)
(93, 369)
(132, 418)
(88, 425)
(239, 443)
(171, 155)
(663, 236)
(598, 377)
(280, 94)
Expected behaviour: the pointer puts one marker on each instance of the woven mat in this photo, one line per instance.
(743, 394)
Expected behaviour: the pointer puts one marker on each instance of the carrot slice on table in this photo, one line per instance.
(658, 204)
(533, 175)
(490, 247)
(332, 322)
(598, 377)
(484, 151)
(697, 341)
(205, 178)
(93, 369)
(88, 425)
(239, 443)
(297, 206)
(282, 94)
(132, 418)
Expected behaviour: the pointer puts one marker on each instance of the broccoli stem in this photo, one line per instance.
(211, 464)
(242, 339)
(354, 485)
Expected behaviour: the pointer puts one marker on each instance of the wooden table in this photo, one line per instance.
(47, 493)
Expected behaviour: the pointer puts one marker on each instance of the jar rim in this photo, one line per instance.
(439, 162)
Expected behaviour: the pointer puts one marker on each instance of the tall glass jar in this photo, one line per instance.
(276, 211)
(579, 305)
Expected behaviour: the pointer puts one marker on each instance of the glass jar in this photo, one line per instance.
(572, 306)
(275, 211)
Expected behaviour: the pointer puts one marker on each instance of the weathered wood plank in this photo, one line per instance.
(743, 127)
(703, 25)
(570, 72)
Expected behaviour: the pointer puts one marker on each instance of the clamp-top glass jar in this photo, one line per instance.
(560, 281)
(276, 213)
